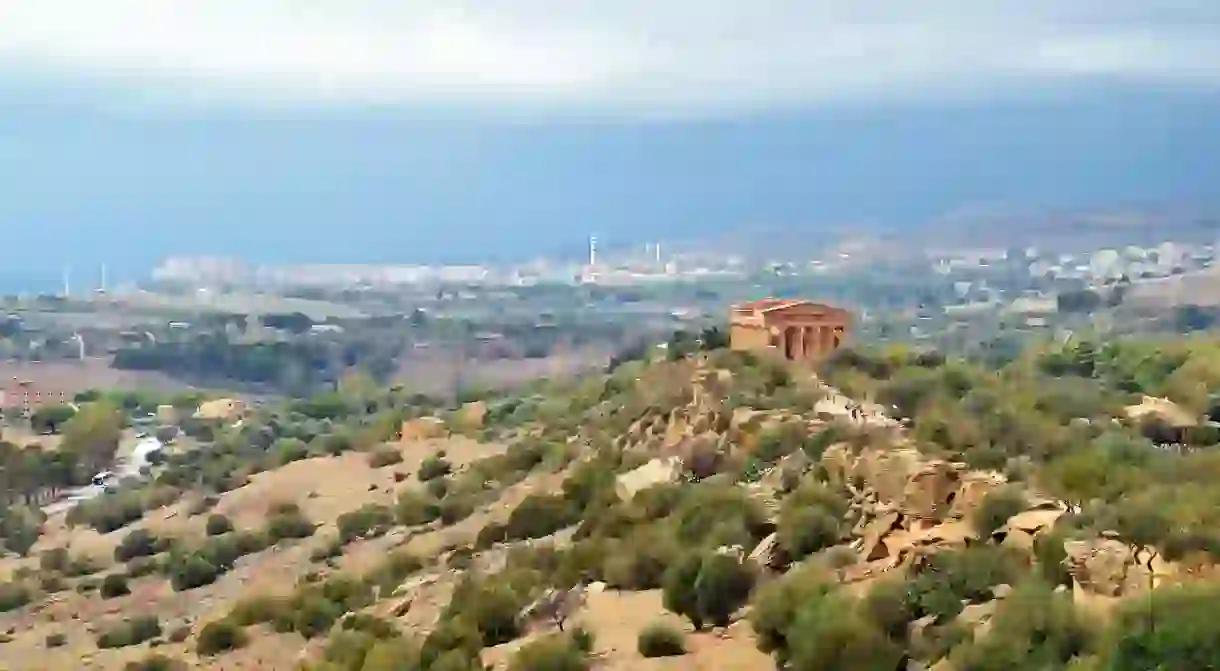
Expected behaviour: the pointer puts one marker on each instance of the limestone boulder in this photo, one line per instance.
(1107, 567)
(225, 409)
(839, 462)
(1021, 529)
(974, 487)
(677, 429)
(472, 415)
(931, 491)
(765, 553)
(889, 473)
(423, 428)
(659, 471)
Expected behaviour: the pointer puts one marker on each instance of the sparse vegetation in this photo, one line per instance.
(134, 631)
(114, 585)
(384, 456)
(757, 460)
(219, 637)
(660, 640)
(365, 522)
(434, 467)
(218, 524)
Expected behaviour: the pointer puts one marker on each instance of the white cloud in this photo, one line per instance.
(639, 56)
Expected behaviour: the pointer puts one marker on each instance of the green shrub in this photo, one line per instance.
(491, 533)
(330, 549)
(367, 521)
(1175, 629)
(369, 624)
(347, 649)
(540, 515)
(660, 640)
(454, 509)
(191, 571)
(777, 603)
(832, 633)
(712, 515)
(889, 606)
(114, 585)
(53, 583)
(109, 512)
(19, 529)
(218, 524)
(314, 615)
(142, 566)
(204, 504)
(288, 450)
(384, 456)
(130, 632)
(455, 639)
(434, 467)
(391, 572)
(954, 576)
(156, 662)
(257, 609)
(414, 508)
(393, 654)
(218, 637)
(995, 509)
(13, 595)
(55, 559)
(806, 530)
(56, 640)
(139, 543)
(550, 653)
(707, 587)
(438, 488)
(288, 525)
(491, 605)
(1032, 628)
(640, 562)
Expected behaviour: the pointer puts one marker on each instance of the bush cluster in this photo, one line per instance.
(661, 640)
(133, 631)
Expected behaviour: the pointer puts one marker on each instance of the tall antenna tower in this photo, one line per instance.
(67, 281)
(592, 250)
(102, 287)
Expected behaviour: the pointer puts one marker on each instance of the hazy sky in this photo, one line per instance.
(425, 130)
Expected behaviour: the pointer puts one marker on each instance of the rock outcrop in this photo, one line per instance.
(423, 428)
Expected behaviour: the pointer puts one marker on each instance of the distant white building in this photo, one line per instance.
(1104, 263)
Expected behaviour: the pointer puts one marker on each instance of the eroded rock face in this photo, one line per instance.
(930, 492)
(656, 472)
(423, 428)
(907, 506)
(1108, 567)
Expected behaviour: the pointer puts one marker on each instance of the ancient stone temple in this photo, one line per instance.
(798, 330)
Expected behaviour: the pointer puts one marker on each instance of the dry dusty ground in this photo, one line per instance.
(434, 373)
(71, 377)
(617, 618)
(325, 488)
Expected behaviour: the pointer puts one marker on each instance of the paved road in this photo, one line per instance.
(126, 468)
